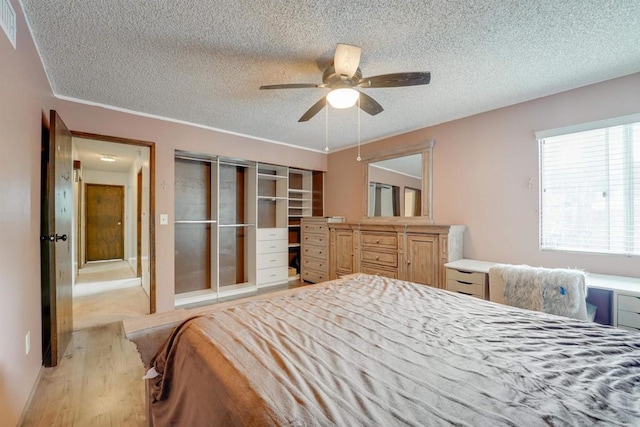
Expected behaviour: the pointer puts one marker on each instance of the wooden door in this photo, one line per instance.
(104, 222)
(422, 259)
(57, 206)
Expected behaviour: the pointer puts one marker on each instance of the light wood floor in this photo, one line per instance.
(99, 380)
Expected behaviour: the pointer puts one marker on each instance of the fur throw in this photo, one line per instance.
(551, 290)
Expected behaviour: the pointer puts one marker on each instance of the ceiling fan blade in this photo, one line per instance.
(292, 86)
(396, 80)
(346, 60)
(369, 105)
(315, 108)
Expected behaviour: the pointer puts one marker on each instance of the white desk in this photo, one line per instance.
(625, 309)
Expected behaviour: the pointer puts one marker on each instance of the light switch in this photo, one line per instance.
(164, 219)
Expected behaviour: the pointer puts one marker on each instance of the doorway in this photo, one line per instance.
(62, 229)
(116, 221)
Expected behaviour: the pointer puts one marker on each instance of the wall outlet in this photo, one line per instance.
(27, 343)
(164, 219)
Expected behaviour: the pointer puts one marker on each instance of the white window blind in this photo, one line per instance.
(590, 191)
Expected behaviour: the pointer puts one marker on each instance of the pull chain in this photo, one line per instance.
(358, 158)
(326, 130)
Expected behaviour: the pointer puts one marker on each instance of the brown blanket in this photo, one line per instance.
(376, 351)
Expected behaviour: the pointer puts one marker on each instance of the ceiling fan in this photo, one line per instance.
(344, 76)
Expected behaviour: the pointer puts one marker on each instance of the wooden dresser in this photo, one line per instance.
(314, 244)
(381, 251)
(404, 251)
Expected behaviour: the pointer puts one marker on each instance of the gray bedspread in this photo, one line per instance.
(375, 351)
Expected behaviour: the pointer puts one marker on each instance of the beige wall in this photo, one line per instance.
(169, 137)
(25, 98)
(24, 95)
(482, 167)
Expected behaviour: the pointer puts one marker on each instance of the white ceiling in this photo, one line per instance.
(407, 165)
(202, 61)
(88, 151)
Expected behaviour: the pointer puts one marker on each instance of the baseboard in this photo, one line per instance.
(27, 405)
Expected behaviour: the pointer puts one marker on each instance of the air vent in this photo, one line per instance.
(8, 20)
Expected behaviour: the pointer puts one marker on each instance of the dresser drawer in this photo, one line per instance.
(629, 319)
(382, 258)
(314, 264)
(315, 239)
(314, 276)
(275, 259)
(629, 303)
(315, 252)
(271, 234)
(379, 240)
(271, 246)
(272, 275)
(475, 289)
(314, 227)
(379, 272)
(475, 277)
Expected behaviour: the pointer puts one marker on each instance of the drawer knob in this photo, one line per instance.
(408, 261)
(377, 258)
(378, 241)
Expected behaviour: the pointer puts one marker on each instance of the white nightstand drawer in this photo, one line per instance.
(272, 234)
(475, 289)
(628, 318)
(271, 246)
(629, 303)
(474, 277)
(272, 275)
(276, 259)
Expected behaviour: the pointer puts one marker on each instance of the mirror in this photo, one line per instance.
(398, 184)
(395, 186)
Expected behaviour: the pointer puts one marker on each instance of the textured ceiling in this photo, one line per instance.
(202, 61)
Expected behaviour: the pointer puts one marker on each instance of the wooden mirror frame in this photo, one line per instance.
(426, 216)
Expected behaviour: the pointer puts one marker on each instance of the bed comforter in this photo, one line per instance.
(375, 351)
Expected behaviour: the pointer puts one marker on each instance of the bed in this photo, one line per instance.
(368, 350)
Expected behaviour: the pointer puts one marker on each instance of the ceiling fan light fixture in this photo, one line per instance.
(345, 97)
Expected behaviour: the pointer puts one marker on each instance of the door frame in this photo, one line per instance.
(152, 201)
(139, 187)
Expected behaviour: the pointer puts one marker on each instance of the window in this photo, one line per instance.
(590, 188)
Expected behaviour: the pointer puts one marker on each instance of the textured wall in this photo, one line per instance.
(482, 167)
